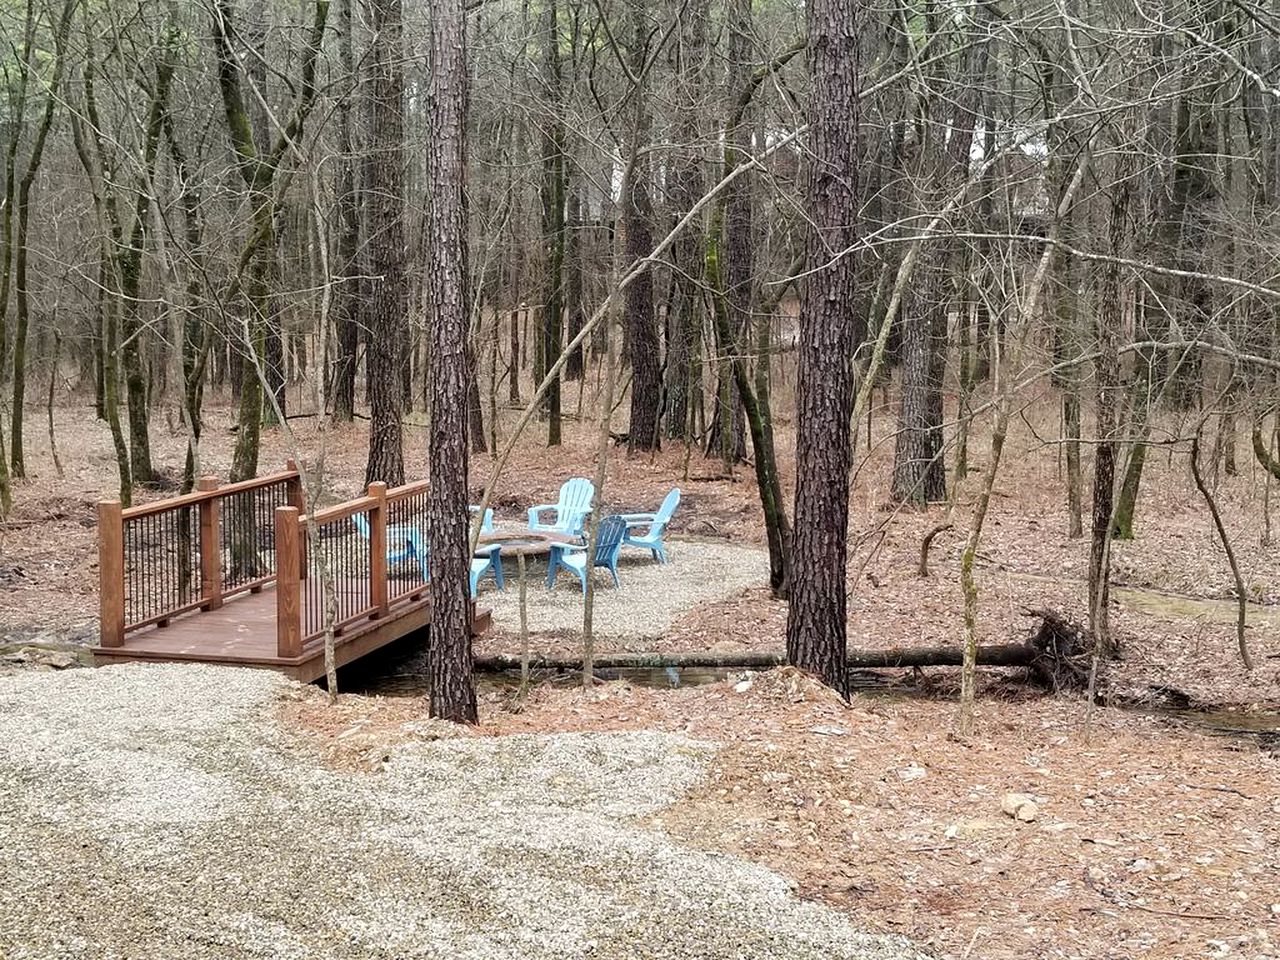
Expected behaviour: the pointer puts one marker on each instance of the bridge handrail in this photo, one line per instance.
(158, 560)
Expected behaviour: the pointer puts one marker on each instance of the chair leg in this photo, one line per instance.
(586, 572)
(613, 569)
(552, 565)
(497, 573)
(661, 553)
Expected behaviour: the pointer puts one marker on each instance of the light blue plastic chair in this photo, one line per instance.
(487, 554)
(486, 525)
(407, 543)
(572, 510)
(573, 556)
(656, 524)
(403, 542)
(489, 561)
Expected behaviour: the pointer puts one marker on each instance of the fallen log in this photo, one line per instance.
(1056, 655)
(994, 655)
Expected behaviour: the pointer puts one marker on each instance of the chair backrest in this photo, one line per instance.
(486, 525)
(361, 522)
(669, 504)
(575, 504)
(575, 496)
(609, 539)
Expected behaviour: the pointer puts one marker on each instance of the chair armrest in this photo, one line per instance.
(631, 518)
(577, 522)
(569, 547)
(534, 511)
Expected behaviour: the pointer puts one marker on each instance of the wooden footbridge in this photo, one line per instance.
(227, 574)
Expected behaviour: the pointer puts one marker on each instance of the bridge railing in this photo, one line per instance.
(159, 560)
(366, 558)
(347, 563)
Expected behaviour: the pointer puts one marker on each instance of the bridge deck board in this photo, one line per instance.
(242, 632)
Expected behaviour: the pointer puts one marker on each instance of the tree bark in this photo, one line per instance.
(1110, 316)
(384, 203)
(257, 164)
(553, 224)
(642, 348)
(453, 693)
(830, 330)
(17, 464)
(346, 293)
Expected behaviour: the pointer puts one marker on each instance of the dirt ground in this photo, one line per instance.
(1152, 840)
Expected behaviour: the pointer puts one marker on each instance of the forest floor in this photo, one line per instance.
(1153, 839)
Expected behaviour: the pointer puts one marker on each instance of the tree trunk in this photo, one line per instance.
(197, 332)
(453, 692)
(475, 407)
(919, 470)
(384, 203)
(575, 306)
(257, 165)
(643, 348)
(553, 226)
(16, 460)
(17, 123)
(919, 474)
(684, 319)
(1110, 316)
(830, 331)
(346, 293)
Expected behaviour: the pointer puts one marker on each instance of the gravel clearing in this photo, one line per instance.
(161, 812)
(649, 598)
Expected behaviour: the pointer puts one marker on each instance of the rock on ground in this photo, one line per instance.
(160, 811)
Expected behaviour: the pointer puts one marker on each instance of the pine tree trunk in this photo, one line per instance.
(575, 306)
(475, 406)
(384, 204)
(346, 293)
(830, 331)
(642, 345)
(453, 693)
(684, 319)
(553, 225)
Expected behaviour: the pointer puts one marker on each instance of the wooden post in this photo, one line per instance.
(298, 499)
(378, 597)
(210, 546)
(294, 487)
(110, 573)
(288, 584)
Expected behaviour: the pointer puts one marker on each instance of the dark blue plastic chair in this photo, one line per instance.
(573, 556)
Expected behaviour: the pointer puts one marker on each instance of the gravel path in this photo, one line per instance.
(160, 812)
(649, 597)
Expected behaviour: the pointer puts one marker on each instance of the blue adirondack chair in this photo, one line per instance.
(403, 542)
(407, 543)
(488, 556)
(572, 510)
(488, 561)
(573, 556)
(486, 525)
(653, 526)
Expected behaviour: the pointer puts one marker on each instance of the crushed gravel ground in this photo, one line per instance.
(161, 812)
(649, 598)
